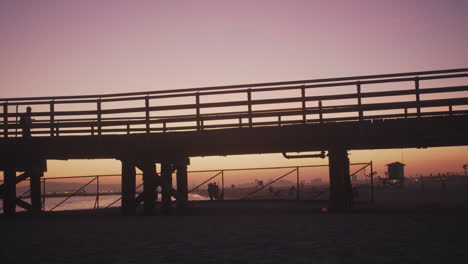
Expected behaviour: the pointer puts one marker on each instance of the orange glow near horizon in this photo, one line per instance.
(419, 162)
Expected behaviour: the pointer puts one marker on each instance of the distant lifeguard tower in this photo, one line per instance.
(396, 174)
(396, 171)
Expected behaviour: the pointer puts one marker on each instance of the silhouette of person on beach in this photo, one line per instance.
(26, 123)
(443, 184)
(210, 191)
(215, 191)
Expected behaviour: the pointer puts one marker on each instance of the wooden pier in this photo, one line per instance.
(145, 131)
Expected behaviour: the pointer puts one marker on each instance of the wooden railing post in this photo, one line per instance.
(358, 84)
(320, 111)
(249, 100)
(147, 115)
(197, 101)
(304, 116)
(52, 119)
(5, 119)
(128, 127)
(418, 107)
(99, 115)
(16, 122)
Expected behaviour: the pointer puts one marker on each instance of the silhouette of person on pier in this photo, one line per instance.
(26, 123)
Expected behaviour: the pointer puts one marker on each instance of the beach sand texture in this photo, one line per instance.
(251, 236)
(404, 226)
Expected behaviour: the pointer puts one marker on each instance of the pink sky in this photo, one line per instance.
(88, 47)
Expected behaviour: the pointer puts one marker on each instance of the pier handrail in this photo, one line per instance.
(191, 112)
(252, 85)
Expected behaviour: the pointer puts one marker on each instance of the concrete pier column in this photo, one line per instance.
(166, 178)
(35, 184)
(9, 199)
(341, 197)
(128, 188)
(149, 187)
(182, 182)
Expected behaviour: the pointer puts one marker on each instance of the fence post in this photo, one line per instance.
(304, 116)
(43, 194)
(5, 119)
(359, 100)
(372, 182)
(418, 107)
(249, 101)
(222, 184)
(297, 176)
(97, 191)
(99, 114)
(52, 117)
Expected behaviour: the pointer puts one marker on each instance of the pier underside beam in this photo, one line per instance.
(341, 197)
(128, 188)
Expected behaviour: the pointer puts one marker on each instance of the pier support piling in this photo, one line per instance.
(182, 183)
(9, 194)
(35, 184)
(149, 186)
(166, 177)
(128, 188)
(341, 197)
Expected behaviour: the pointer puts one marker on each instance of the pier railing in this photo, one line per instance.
(358, 98)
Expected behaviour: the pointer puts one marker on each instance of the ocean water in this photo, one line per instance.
(87, 202)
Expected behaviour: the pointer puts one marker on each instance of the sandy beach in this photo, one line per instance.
(405, 225)
(220, 232)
